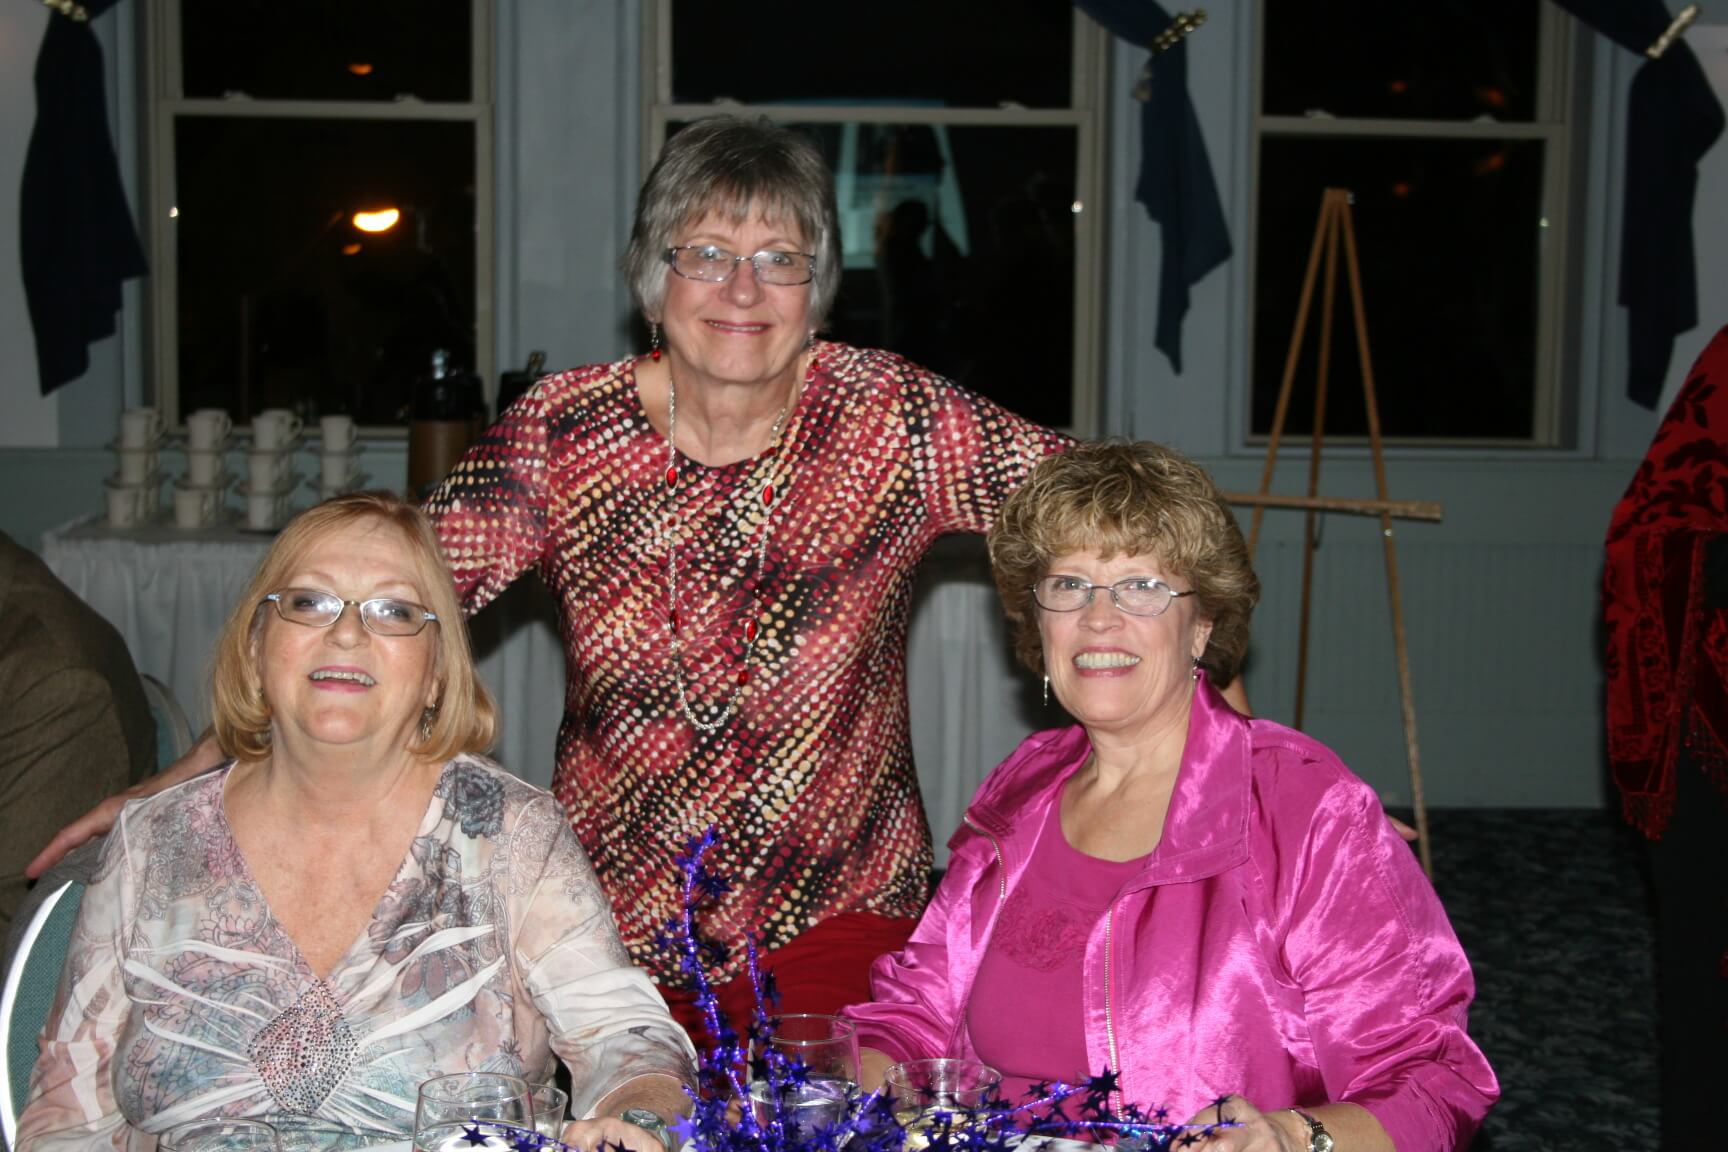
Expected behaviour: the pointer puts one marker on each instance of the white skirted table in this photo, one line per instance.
(168, 591)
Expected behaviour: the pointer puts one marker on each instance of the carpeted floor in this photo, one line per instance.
(1552, 907)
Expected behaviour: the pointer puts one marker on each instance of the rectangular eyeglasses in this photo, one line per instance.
(382, 617)
(716, 265)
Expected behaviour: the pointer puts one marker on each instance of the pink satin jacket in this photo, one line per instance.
(1281, 943)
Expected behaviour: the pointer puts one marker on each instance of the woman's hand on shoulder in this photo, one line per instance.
(1254, 1130)
(612, 1132)
(202, 756)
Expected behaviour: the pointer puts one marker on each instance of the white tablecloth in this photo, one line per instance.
(168, 592)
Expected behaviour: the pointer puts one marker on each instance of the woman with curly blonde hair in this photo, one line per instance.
(1210, 906)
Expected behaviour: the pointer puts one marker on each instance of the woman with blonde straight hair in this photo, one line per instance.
(357, 901)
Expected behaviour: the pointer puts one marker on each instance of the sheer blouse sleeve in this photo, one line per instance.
(608, 1023)
(72, 1102)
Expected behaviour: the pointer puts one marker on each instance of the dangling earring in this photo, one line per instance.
(1194, 673)
(654, 342)
(810, 340)
(428, 715)
(1046, 691)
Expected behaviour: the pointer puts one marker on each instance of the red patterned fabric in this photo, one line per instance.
(1667, 657)
(812, 784)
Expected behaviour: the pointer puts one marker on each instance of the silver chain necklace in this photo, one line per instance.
(768, 496)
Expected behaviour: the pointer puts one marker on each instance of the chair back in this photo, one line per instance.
(31, 983)
(173, 730)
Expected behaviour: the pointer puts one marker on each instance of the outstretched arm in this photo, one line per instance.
(203, 756)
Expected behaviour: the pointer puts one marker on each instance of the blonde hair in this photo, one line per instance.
(465, 718)
(1119, 497)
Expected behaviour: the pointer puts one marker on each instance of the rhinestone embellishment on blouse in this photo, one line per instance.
(303, 1054)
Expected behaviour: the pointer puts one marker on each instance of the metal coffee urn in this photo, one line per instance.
(447, 414)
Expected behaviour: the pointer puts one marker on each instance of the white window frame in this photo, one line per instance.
(167, 101)
(1555, 125)
(1086, 114)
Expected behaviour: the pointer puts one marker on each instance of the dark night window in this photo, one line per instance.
(1448, 126)
(319, 228)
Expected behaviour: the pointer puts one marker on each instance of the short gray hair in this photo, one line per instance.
(733, 167)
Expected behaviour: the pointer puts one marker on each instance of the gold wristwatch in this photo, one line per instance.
(1319, 1140)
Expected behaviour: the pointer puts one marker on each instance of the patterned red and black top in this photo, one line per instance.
(811, 784)
(1666, 651)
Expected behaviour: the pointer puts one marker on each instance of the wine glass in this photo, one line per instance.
(826, 1048)
(467, 1111)
(220, 1134)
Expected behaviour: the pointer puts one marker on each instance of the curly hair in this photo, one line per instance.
(1121, 497)
(466, 719)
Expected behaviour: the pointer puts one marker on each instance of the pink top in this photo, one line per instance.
(1280, 942)
(1027, 1009)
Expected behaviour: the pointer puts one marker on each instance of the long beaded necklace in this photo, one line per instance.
(752, 628)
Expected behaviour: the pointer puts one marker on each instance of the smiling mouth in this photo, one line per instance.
(743, 329)
(351, 677)
(1105, 660)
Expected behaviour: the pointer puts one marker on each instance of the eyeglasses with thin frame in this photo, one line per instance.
(383, 616)
(1137, 595)
(715, 265)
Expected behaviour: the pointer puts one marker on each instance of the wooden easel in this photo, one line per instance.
(1335, 222)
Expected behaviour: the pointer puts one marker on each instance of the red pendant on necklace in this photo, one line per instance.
(671, 476)
(674, 620)
(743, 677)
(767, 495)
(749, 631)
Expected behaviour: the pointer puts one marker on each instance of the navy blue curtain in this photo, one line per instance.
(77, 243)
(1175, 182)
(1672, 119)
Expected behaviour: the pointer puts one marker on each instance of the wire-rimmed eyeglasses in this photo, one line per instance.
(715, 265)
(383, 616)
(1137, 595)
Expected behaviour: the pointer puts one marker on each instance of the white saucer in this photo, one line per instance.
(224, 480)
(293, 445)
(154, 480)
(288, 485)
(355, 483)
(114, 445)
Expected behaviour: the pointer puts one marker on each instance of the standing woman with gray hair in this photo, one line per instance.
(731, 525)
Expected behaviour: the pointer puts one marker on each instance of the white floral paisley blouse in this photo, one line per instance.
(492, 950)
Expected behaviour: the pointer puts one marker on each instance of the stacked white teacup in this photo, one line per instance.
(200, 494)
(338, 461)
(135, 490)
(270, 475)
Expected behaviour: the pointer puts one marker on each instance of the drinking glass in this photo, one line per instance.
(220, 1134)
(827, 1048)
(454, 1111)
(932, 1093)
(551, 1107)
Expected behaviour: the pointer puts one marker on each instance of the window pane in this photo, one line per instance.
(327, 49)
(283, 301)
(959, 254)
(1370, 59)
(893, 51)
(1449, 234)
